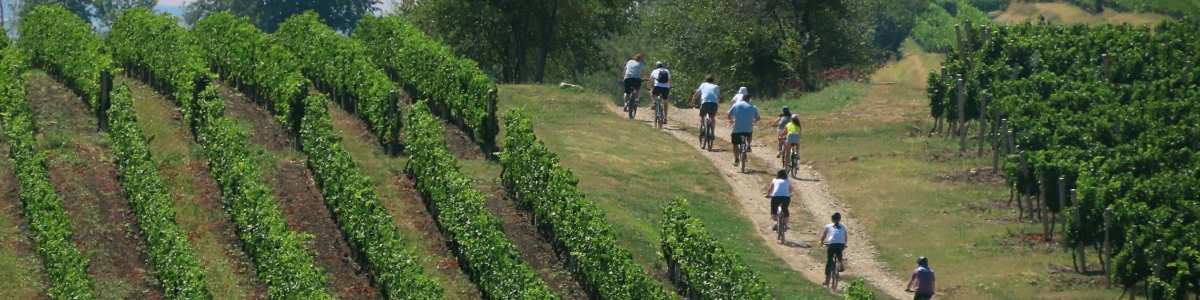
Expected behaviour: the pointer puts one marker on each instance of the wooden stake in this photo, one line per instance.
(961, 123)
(1079, 227)
(1062, 202)
(1107, 247)
(983, 101)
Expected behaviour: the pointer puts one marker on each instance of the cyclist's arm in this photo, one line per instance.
(824, 234)
(792, 190)
(770, 188)
(908, 287)
(695, 98)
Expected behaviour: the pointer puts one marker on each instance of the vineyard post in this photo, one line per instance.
(1079, 228)
(491, 124)
(1104, 70)
(104, 102)
(997, 139)
(1041, 212)
(1107, 246)
(1062, 202)
(983, 101)
(393, 147)
(961, 123)
(1021, 193)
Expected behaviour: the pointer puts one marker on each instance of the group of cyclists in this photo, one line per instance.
(743, 114)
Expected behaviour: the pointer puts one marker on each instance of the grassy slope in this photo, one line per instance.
(22, 275)
(896, 185)
(631, 170)
(1064, 13)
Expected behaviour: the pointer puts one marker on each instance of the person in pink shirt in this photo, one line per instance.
(923, 278)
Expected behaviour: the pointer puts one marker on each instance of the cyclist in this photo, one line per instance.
(743, 115)
(635, 70)
(781, 191)
(742, 91)
(662, 84)
(834, 237)
(709, 94)
(792, 128)
(924, 279)
(781, 124)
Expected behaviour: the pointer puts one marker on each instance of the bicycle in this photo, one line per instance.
(660, 116)
(794, 162)
(780, 225)
(706, 133)
(833, 271)
(742, 149)
(632, 105)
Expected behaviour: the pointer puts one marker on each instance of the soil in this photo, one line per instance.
(974, 175)
(458, 142)
(206, 195)
(83, 174)
(300, 200)
(447, 264)
(803, 248)
(10, 208)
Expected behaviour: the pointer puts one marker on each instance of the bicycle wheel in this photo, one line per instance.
(658, 114)
(780, 226)
(632, 108)
(794, 164)
(742, 155)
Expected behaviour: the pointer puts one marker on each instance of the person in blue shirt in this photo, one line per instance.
(707, 95)
(743, 115)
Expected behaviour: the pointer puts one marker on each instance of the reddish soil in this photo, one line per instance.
(10, 208)
(105, 228)
(447, 264)
(301, 201)
(461, 145)
(537, 251)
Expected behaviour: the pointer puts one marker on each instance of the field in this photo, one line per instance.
(1063, 13)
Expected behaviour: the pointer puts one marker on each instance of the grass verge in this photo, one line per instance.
(1065, 13)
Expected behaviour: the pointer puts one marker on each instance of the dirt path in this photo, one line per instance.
(803, 251)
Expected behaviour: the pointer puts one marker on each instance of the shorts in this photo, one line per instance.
(793, 139)
(631, 84)
(739, 137)
(777, 201)
(708, 108)
(659, 91)
(923, 296)
(834, 251)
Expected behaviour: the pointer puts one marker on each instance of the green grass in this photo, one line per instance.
(170, 144)
(632, 170)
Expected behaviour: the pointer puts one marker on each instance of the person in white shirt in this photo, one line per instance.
(780, 190)
(834, 237)
(742, 91)
(662, 84)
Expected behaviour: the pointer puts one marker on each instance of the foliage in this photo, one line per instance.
(340, 66)
(858, 291)
(429, 71)
(156, 47)
(174, 260)
(696, 262)
(351, 196)
(934, 29)
(64, 45)
(78, 7)
(894, 21)
(1113, 111)
(507, 36)
(256, 65)
(106, 11)
(271, 75)
(342, 15)
(474, 234)
(774, 45)
(1175, 8)
(42, 207)
(989, 5)
(573, 224)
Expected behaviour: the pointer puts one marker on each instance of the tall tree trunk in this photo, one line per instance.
(545, 36)
(519, 53)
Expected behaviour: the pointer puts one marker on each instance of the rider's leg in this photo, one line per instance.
(787, 148)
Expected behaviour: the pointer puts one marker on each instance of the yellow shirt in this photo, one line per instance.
(792, 128)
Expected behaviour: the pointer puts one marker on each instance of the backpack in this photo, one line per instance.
(664, 76)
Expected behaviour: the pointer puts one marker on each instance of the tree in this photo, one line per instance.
(267, 14)
(894, 21)
(106, 11)
(80, 8)
(504, 36)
